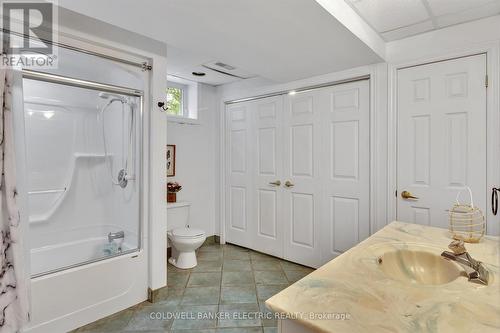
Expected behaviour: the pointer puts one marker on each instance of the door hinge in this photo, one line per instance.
(486, 81)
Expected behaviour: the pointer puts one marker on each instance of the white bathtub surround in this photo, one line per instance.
(14, 303)
(73, 190)
(78, 140)
(354, 284)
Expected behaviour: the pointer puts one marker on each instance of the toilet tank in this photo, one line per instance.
(177, 214)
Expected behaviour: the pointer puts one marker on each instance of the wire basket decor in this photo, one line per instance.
(467, 222)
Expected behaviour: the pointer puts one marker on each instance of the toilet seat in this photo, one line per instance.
(187, 233)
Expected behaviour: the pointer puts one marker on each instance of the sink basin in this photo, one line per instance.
(418, 267)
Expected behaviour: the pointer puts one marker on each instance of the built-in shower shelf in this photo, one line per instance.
(61, 193)
(51, 191)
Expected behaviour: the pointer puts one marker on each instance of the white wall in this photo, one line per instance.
(196, 160)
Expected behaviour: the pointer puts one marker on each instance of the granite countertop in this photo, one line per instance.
(354, 285)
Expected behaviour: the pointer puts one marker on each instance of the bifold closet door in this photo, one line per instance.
(239, 177)
(298, 173)
(254, 196)
(268, 173)
(303, 189)
(327, 163)
(346, 156)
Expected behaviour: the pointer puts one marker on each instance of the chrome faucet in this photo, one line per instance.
(115, 235)
(474, 269)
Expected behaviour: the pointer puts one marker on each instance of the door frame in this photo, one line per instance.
(376, 74)
(492, 52)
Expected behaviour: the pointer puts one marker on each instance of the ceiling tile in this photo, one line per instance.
(384, 15)
(408, 31)
(490, 9)
(442, 7)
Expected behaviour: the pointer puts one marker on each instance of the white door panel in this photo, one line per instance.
(302, 201)
(441, 137)
(347, 160)
(267, 125)
(238, 200)
(239, 210)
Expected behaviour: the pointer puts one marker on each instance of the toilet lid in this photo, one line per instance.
(187, 232)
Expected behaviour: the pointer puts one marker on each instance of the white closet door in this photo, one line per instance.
(441, 137)
(268, 161)
(302, 140)
(239, 196)
(346, 137)
(317, 142)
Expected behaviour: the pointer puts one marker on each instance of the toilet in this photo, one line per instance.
(183, 239)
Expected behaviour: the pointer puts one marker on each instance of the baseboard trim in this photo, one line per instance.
(154, 296)
(211, 240)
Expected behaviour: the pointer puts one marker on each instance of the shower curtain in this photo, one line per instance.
(14, 283)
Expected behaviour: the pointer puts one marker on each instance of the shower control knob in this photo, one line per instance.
(123, 178)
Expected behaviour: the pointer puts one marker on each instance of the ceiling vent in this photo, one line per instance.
(226, 69)
(225, 66)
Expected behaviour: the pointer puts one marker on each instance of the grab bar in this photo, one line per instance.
(48, 191)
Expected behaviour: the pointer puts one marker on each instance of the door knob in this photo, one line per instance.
(289, 184)
(276, 183)
(494, 200)
(408, 195)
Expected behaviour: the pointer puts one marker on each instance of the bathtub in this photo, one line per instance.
(65, 300)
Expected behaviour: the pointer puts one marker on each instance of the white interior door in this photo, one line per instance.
(441, 137)
(268, 160)
(239, 195)
(302, 146)
(346, 137)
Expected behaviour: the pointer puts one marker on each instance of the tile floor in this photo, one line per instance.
(228, 279)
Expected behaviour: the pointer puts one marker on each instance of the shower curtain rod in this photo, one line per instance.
(70, 81)
(145, 66)
(299, 90)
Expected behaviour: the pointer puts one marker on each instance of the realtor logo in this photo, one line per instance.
(28, 33)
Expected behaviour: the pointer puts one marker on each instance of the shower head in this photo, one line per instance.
(113, 97)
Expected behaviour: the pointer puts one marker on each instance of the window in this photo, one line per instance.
(176, 99)
(182, 100)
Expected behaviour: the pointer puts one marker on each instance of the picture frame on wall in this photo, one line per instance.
(170, 160)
